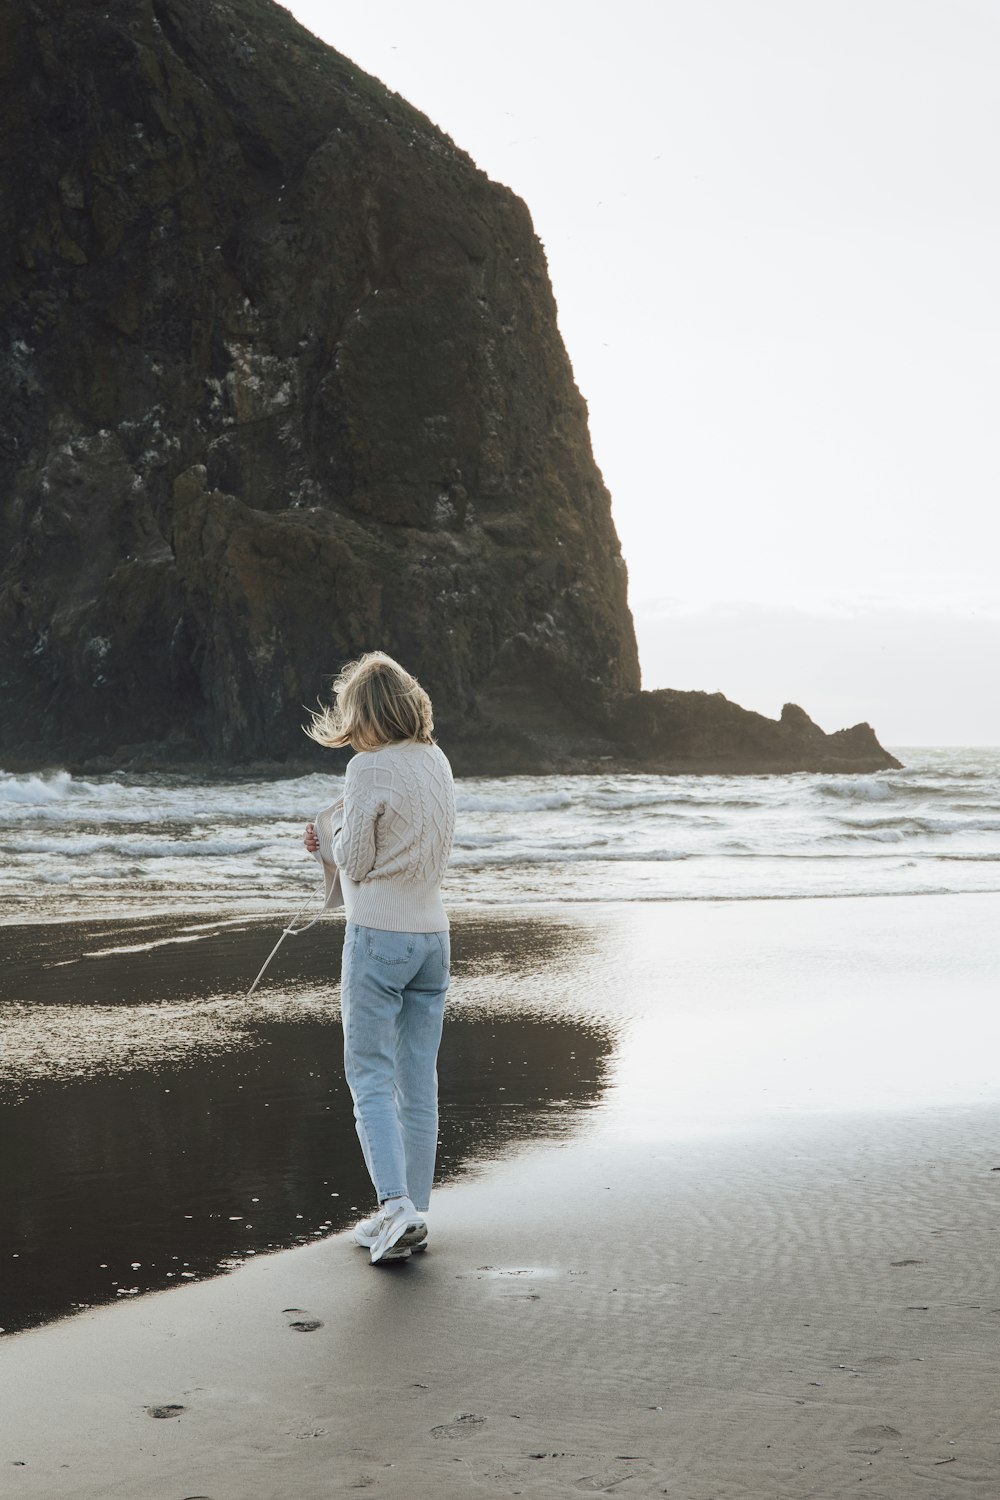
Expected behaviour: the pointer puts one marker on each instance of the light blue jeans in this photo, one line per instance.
(392, 994)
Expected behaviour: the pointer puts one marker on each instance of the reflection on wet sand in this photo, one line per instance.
(155, 1129)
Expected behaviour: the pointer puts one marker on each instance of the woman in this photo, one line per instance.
(391, 849)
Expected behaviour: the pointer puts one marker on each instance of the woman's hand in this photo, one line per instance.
(310, 838)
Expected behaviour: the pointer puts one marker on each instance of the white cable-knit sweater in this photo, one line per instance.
(394, 842)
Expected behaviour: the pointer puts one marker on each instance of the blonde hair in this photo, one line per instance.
(376, 703)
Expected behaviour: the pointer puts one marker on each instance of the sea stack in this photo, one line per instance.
(281, 382)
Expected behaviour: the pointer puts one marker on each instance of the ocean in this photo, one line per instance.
(141, 844)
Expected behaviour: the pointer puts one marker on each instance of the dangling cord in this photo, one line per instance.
(290, 930)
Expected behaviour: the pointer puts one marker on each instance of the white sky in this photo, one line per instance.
(772, 228)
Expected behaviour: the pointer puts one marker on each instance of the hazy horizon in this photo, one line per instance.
(771, 233)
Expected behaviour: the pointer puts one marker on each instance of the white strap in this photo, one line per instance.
(290, 930)
(332, 894)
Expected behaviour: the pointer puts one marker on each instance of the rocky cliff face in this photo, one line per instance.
(281, 381)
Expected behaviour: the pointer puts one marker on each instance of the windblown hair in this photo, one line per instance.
(376, 703)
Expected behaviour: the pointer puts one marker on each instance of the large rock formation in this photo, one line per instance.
(282, 381)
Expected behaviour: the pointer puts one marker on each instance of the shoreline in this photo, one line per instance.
(217, 914)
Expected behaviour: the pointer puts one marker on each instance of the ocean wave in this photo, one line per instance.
(684, 809)
(826, 856)
(32, 788)
(83, 815)
(857, 788)
(917, 787)
(931, 789)
(84, 845)
(59, 796)
(661, 797)
(634, 801)
(970, 825)
(542, 802)
(874, 835)
(515, 857)
(914, 824)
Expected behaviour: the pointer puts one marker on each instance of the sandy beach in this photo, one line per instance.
(759, 1261)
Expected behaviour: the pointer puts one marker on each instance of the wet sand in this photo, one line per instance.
(156, 1128)
(761, 1264)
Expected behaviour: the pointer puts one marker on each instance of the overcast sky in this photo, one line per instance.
(772, 228)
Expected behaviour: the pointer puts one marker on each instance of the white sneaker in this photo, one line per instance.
(365, 1234)
(401, 1228)
(365, 1231)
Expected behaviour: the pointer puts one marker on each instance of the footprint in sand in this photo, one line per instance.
(165, 1411)
(462, 1426)
(880, 1433)
(303, 1325)
(607, 1480)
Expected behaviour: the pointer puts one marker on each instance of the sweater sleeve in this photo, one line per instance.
(354, 848)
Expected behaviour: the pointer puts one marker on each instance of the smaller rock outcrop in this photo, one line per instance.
(671, 732)
(676, 731)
